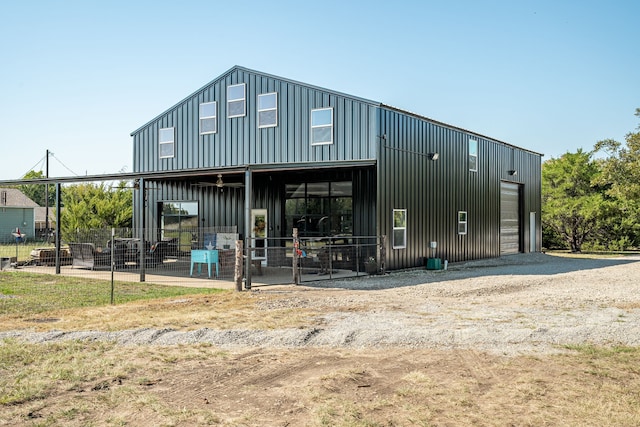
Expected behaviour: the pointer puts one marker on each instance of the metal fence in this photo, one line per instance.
(185, 255)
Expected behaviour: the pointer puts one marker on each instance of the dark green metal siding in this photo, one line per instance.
(239, 141)
(433, 192)
(397, 142)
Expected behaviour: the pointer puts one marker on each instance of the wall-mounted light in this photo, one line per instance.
(513, 172)
(434, 156)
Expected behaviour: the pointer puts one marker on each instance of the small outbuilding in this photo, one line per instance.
(17, 211)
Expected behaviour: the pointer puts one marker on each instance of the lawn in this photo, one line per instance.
(27, 293)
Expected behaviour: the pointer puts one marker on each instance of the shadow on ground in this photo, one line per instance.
(514, 265)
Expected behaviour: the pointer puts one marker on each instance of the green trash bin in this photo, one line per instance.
(434, 264)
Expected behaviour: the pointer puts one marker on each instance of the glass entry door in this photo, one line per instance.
(259, 234)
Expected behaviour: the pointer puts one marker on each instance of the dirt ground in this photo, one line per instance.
(484, 343)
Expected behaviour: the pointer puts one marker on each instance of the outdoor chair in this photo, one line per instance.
(85, 255)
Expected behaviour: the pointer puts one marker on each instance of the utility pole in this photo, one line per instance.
(46, 197)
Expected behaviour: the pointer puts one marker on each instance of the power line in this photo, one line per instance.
(34, 166)
(65, 166)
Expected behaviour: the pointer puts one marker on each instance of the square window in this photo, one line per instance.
(473, 155)
(399, 228)
(268, 110)
(208, 118)
(166, 142)
(462, 222)
(236, 101)
(322, 126)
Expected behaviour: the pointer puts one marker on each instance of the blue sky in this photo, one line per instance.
(77, 77)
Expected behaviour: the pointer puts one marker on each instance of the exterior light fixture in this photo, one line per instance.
(434, 156)
(513, 172)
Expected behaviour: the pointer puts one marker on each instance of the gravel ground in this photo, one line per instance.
(522, 304)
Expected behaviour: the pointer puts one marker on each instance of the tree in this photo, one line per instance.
(92, 206)
(572, 203)
(36, 192)
(621, 170)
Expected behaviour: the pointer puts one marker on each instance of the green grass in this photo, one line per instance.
(8, 250)
(22, 293)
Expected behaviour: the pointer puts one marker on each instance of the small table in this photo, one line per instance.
(204, 256)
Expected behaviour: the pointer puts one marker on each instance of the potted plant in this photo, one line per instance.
(371, 265)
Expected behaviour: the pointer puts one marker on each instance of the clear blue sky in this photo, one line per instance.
(77, 77)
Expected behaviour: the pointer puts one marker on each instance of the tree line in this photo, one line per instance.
(85, 206)
(591, 199)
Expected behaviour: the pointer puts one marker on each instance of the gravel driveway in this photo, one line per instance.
(521, 304)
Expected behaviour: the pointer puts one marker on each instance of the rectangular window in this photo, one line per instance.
(165, 141)
(473, 155)
(319, 208)
(462, 222)
(399, 228)
(236, 105)
(179, 221)
(208, 117)
(268, 110)
(322, 126)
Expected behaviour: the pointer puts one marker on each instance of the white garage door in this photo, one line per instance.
(509, 218)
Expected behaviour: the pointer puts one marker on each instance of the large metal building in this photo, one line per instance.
(250, 147)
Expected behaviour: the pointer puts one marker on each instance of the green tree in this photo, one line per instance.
(572, 203)
(621, 171)
(95, 206)
(36, 192)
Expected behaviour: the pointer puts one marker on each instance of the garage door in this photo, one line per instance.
(509, 218)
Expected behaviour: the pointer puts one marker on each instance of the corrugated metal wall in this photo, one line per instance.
(240, 142)
(434, 191)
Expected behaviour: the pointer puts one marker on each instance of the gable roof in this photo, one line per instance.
(15, 199)
(337, 93)
(248, 70)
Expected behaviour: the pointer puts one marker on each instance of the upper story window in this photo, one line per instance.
(236, 101)
(268, 110)
(208, 117)
(473, 155)
(322, 126)
(399, 228)
(165, 142)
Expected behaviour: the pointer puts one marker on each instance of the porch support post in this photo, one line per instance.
(57, 236)
(248, 192)
(141, 215)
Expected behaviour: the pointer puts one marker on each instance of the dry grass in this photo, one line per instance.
(43, 302)
(94, 383)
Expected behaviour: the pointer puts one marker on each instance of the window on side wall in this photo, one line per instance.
(268, 110)
(473, 155)
(236, 101)
(462, 222)
(399, 228)
(208, 117)
(322, 126)
(166, 142)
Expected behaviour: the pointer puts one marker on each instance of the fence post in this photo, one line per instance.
(237, 277)
(113, 261)
(296, 244)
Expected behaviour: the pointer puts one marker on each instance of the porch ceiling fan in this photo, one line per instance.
(220, 183)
